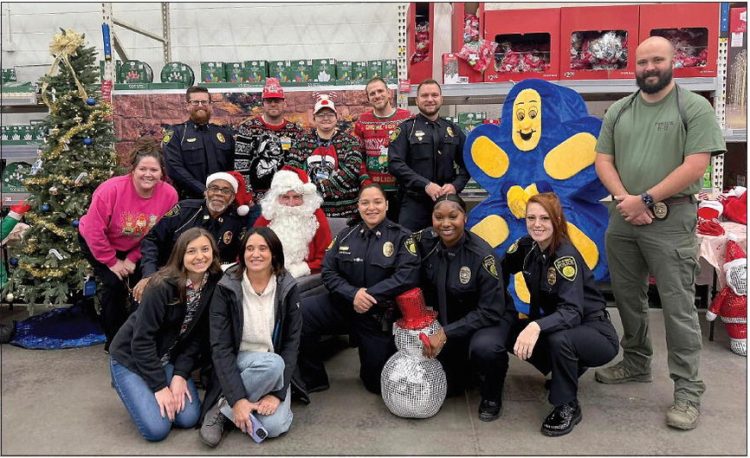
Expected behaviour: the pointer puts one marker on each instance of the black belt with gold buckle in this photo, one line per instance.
(661, 209)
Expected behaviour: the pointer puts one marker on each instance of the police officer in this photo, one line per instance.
(366, 266)
(426, 157)
(460, 280)
(568, 328)
(196, 148)
(216, 213)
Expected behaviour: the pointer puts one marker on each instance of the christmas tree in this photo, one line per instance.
(78, 154)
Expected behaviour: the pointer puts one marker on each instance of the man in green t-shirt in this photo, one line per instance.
(652, 151)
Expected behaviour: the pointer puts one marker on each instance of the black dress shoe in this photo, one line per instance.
(562, 419)
(489, 410)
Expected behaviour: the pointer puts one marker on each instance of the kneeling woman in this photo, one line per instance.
(459, 278)
(568, 328)
(255, 324)
(154, 352)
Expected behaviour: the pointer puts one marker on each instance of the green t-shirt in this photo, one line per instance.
(649, 140)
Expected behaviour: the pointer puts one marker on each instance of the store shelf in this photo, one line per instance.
(735, 135)
(583, 87)
(252, 89)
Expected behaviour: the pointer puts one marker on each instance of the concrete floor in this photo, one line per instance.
(60, 403)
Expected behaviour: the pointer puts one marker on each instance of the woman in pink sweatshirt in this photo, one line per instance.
(123, 209)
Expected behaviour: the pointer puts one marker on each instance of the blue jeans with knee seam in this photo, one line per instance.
(141, 403)
(263, 373)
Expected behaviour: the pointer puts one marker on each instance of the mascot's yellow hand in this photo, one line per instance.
(489, 157)
(493, 229)
(518, 198)
(571, 156)
(522, 291)
(584, 245)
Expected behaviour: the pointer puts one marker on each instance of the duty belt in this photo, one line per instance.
(661, 209)
(600, 315)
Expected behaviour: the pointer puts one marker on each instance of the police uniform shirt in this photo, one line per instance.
(474, 293)
(423, 151)
(227, 230)
(562, 288)
(193, 152)
(382, 259)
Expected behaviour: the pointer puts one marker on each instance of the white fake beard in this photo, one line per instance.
(296, 230)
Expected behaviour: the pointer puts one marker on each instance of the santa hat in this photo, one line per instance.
(241, 196)
(709, 212)
(272, 89)
(292, 179)
(735, 206)
(324, 101)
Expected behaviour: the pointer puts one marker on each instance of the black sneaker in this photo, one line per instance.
(562, 419)
(489, 410)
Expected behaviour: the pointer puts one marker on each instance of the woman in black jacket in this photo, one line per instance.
(568, 327)
(255, 325)
(154, 352)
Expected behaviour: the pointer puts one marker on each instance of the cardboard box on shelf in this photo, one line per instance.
(324, 71)
(450, 68)
(213, 72)
(281, 70)
(374, 68)
(390, 71)
(359, 71)
(344, 71)
(256, 71)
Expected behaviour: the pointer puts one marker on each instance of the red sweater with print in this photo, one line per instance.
(375, 133)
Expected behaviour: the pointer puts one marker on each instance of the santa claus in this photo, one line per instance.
(291, 207)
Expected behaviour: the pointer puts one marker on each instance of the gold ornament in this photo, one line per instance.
(64, 45)
(78, 119)
(53, 190)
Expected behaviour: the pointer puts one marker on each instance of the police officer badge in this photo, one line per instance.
(227, 237)
(464, 275)
(419, 134)
(220, 137)
(660, 210)
(388, 249)
(567, 267)
(449, 131)
(551, 276)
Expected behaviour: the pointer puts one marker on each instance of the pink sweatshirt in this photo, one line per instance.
(119, 218)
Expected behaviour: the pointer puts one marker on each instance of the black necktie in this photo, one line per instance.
(442, 279)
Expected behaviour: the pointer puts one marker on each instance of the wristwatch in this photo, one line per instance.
(647, 200)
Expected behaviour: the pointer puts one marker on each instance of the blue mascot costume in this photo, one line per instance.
(545, 142)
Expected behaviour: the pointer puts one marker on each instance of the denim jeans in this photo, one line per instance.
(263, 373)
(143, 408)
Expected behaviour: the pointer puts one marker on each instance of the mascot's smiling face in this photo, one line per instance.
(527, 120)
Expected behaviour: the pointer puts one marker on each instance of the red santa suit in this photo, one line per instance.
(303, 230)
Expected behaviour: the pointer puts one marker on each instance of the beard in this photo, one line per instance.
(296, 227)
(429, 111)
(200, 116)
(664, 78)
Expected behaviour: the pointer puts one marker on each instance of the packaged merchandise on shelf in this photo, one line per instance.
(390, 70)
(343, 71)
(596, 50)
(450, 68)
(359, 71)
(116, 76)
(177, 72)
(301, 71)
(374, 68)
(736, 104)
(690, 44)
(213, 72)
(281, 70)
(234, 72)
(422, 41)
(471, 27)
(324, 71)
(135, 71)
(9, 75)
(468, 121)
(256, 71)
(523, 53)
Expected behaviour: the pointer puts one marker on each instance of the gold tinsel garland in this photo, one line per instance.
(64, 45)
(104, 110)
(34, 219)
(41, 273)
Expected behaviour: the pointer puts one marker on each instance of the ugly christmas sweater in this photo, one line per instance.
(334, 166)
(118, 218)
(260, 150)
(375, 133)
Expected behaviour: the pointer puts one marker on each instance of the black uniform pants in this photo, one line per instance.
(324, 315)
(112, 292)
(569, 352)
(483, 351)
(415, 213)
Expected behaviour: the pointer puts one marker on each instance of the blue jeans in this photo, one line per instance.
(263, 373)
(143, 408)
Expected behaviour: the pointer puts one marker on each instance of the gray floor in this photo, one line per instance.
(60, 403)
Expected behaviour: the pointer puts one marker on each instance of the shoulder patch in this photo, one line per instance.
(489, 265)
(410, 245)
(330, 245)
(512, 249)
(167, 136)
(567, 267)
(394, 134)
(174, 211)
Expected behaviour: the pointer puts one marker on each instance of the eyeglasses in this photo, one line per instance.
(196, 103)
(222, 191)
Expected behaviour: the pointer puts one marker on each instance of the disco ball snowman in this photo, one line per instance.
(412, 385)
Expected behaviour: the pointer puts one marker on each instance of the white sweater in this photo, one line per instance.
(258, 316)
